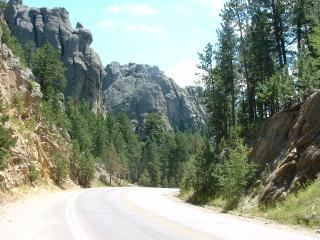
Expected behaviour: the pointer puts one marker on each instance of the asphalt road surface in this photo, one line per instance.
(127, 214)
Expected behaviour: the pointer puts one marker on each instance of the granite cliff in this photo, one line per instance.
(139, 89)
(84, 70)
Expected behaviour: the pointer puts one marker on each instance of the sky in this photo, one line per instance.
(166, 33)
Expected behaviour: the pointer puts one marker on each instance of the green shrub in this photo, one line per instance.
(3, 5)
(31, 124)
(19, 103)
(6, 139)
(33, 173)
(235, 173)
(31, 84)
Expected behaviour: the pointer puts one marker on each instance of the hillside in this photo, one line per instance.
(36, 143)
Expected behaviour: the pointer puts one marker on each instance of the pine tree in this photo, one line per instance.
(29, 49)
(48, 71)
(112, 163)
(11, 41)
(82, 165)
(151, 152)
(133, 146)
(205, 184)
(235, 173)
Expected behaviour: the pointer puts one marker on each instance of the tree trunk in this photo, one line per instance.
(251, 98)
(279, 32)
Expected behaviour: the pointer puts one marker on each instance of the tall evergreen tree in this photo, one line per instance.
(48, 71)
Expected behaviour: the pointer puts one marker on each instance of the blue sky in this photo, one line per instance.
(166, 33)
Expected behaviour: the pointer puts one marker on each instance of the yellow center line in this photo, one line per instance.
(193, 234)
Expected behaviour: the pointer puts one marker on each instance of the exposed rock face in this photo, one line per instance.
(140, 89)
(36, 144)
(84, 71)
(287, 147)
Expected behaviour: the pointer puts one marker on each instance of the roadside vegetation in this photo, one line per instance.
(301, 208)
(266, 60)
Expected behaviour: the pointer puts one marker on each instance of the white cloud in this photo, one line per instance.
(137, 9)
(144, 28)
(184, 72)
(108, 24)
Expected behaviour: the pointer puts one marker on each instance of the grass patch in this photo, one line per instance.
(219, 203)
(34, 173)
(302, 208)
(99, 184)
(185, 195)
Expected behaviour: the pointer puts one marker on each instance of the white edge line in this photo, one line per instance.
(73, 222)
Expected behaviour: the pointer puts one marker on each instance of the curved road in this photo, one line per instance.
(126, 214)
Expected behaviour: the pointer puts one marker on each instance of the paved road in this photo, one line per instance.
(126, 214)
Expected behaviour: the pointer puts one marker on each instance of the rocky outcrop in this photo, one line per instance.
(84, 71)
(287, 149)
(140, 89)
(36, 144)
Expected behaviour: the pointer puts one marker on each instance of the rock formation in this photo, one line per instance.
(135, 89)
(84, 71)
(287, 149)
(140, 89)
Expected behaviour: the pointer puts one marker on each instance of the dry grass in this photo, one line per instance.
(26, 191)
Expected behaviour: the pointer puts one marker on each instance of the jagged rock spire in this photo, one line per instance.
(84, 70)
(79, 25)
(15, 2)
